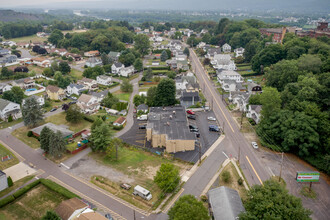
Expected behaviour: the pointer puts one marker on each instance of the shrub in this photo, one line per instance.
(118, 128)
(88, 118)
(10, 181)
(240, 181)
(10, 118)
(57, 188)
(226, 177)
(29, 134)
(6, 200)
(204, 198)
(25, 189)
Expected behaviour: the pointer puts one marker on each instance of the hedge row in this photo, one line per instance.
(25, 189)
(57, 188)
(252, 74)
(159, 68)
(88, 118)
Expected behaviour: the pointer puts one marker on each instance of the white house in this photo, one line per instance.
(239, 52)
(5, 87)
(39, 99)
(201, 45)
(254, 112)
(90, 84)
(126, 71)
(226, 48)
(120, 121)
(212, 52)
(8, 109)
(88, 104)
(93, 61)
(224, 62)
(241, 99)
(104, 80)
(229, 74)
(99, 95)
(75, 89)
(117, 67)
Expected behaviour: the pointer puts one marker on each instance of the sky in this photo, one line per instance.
(170, 4)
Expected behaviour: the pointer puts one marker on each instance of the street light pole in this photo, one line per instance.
(279, 179)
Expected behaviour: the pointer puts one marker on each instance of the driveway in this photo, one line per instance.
(25, 53)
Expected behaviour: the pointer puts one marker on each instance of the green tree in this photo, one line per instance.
(64, 67)
(107, 68)
(147, 75)
(73, 114)
(112, 149)
(51, 215)
(127, 59)
(6, 73)
(45, 138)
(163, 56)
(151, 94)
(98, 121)
(250, 50)
(105, 59)
(142, 44)
(55, 36)
(48, 72)
(165, 93)
(270, 99)
(109, 101)
(16, 95)
(101, 137)
(186, 51)
(138, 65)
(267, 56)
(222, 25)
(126, 86)
(188, 207)
(138, 100)
(272, 201)
(167, 177)
(32, 112)
(56, 144)
(310, 63)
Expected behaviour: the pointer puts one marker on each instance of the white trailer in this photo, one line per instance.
(142, 192)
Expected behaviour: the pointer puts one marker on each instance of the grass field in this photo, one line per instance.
(4, 124)
(122, 95)
(137, 164)
(4, 152)
(16, 185)
(76, 74)
(59, 119)
(27, 39)
(32, 205)
(21, 134)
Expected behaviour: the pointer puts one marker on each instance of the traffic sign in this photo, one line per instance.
(308, 176)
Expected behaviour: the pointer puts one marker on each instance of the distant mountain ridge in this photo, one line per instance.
(10, 15)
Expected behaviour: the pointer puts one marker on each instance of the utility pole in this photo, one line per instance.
(200, 153)
(223, 127)
(239, 153)
(279, 179)
(242, 119)
(134, 214)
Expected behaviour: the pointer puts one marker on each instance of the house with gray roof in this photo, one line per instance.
(114, 55)
(93, 62)
(254, 112)
(66, 133)
(226, 48)
(5, 87)
(142, 107)
(100, 95)
(241, 99)
(229, 74)
(7, 59)
(225, 203)
(4, 51)
(8, 108)
(189, 98)
(211, 52)
(3, 181)
(39, 99)
(117, 67)
(75, 89)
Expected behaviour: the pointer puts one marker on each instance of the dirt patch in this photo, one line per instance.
(86, 167)
(149, 172)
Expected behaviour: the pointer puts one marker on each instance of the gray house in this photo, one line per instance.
(225, 203)
(3, 181)
(189, 98)
(8, 59)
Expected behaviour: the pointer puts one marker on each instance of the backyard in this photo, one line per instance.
(32, 205)
(122, 95)
(16, 185)
(7, 163)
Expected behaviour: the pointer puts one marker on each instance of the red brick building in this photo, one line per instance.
(276, 33)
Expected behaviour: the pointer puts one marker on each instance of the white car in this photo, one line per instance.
(254, 145)
(211, 118)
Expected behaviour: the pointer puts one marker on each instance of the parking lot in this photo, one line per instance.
(206, 139)
(135, 136)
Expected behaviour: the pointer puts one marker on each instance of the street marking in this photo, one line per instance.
(62, 164)
(225, 154)
(216, 101)
(173, 200)
(254, 170)
(117, 216)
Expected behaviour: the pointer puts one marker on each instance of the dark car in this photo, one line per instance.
(108, 216)
(193, 127)
(197, 134)
(193, 117)
(53, 109)
(214, 128)
(142, 126)
(72, 103)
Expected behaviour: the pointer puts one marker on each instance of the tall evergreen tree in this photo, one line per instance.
(163, 56)
(44, 138)
(165, 93)
(56, 144)
(32, 112)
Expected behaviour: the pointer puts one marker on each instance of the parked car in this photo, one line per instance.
(190, 112)
(254, 145)
(108, 216)
(53, 109)
(193, 117)
(211, 118)
(73, 98)
(197, 134)
(142, 126)
(214, 128)
(193, 127)
(125, 186)
(72, 103)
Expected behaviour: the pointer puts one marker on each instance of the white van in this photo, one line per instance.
(142, 192)
(142, 118)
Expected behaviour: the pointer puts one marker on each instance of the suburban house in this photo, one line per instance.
(104, 80)
(99, 95)
(114, 56)
(143, 107)
(254, 87)
(90, 84)
(120, 121)
(93, 61)
(25, 83)
(70, 209)
(117, 67)
(241, 99)
(88, 104)
(254, 112)
(229, 74)
(201, 45)
(8, 109)
(66, 133)
(126, 71)
(211, 52)
(9, 59)
(4, 52)
(75, 57)
(39, 99)
(58, 51)
(75, 89)
(181, 57)
(189, 98)
(239, 52)
(225, 203)
(230, 85)
(92, 53)
(55, 93)
(223, 61)
(182, 64)
(3, 181)
(5, 87)
(226, 48)
(41, 61)
(168, 127)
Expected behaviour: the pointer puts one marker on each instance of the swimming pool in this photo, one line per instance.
(29, 90)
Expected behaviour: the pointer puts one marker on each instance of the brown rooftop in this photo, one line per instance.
(68, 207)
(53, 89)
(91, 216)
(120, 120)
(84, 98)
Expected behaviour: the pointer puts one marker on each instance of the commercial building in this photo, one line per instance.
(168, 127)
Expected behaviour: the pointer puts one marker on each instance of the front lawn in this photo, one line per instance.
(21, 134)
(4, 124)
(122, 95)
(5, 164)
(16, 185)
(32, 205)
(27, 39)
